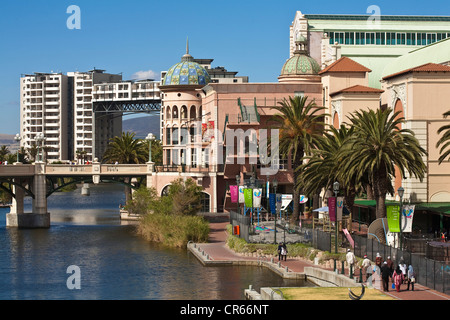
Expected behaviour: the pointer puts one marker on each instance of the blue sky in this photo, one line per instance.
(133, 36)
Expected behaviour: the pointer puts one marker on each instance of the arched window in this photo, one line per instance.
(175, 112)
(183, 112)
(165, 190)
(168, 113)
(205, 200)
(193, 113)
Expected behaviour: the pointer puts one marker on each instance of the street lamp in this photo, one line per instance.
(39, 139)
(401, 192)
(18, 138)
(275, 185)
(150, 137)
(336, 190)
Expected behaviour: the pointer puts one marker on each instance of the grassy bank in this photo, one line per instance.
(173, 230)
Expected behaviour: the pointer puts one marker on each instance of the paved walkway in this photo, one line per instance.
(218, 251)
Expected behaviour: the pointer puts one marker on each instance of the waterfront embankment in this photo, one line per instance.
(215, 252)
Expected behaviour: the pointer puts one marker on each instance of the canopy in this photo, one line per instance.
(323, 209)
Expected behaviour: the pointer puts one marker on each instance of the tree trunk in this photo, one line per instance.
(296, 192)
(379, 191)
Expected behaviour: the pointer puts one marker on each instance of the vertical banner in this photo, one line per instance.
(332, 208)
(257, 198)
(267, 189)
(303, 199)
(248, 197)
(340, 208)
(234, 194)
(241, 194)
(407, 217)
(392, 214)
(272, 202)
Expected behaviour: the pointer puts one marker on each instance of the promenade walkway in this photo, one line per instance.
(217, 252)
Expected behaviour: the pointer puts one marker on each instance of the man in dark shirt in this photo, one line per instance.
(385, 274)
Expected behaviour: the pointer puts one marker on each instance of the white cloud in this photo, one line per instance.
(142, 75)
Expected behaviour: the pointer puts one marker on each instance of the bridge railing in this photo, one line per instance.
(17, 170)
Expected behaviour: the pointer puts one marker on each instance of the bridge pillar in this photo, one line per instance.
(39, 218)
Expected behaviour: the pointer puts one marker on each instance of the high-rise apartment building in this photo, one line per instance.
(44, 109)
(60, 107)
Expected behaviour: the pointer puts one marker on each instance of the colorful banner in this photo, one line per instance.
(241, 194)
(332, 208)
(340, 208)
(272, 202)
(234, 192)
(248, 197)
(407, 217)
(303, 199)
(267, 189)
(257, 193)
(392, 215)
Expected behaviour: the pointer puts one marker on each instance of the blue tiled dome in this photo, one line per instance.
(186, 72)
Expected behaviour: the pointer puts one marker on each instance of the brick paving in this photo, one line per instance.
(217, 250)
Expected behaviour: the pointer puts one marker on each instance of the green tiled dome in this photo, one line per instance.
(300, 64)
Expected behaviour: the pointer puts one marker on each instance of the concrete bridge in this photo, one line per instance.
(39, 180)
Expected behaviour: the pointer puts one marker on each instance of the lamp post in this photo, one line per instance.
(18, 138)
(275, 185)
(150, 137)
(401, 192)
(336, 190)
(39, 139)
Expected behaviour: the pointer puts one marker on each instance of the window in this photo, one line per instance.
(339, 37)
(390, 38)
(359, 38)
(205, 200)
(380, 38)
(168, 135)
(349, 38)
(411, 39)
(401, 38)
(370, 37)
(431, 38)
(174, 136)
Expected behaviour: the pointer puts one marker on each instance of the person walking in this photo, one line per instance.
(378, 260)
(284, 252)
(390, 264)
(366, 267)
(402, 266)
(351, 259)
(411, 278)
(397, 278)
(385, 274)
(280, 246)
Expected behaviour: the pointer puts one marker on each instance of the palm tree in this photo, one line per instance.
(126, 149)
(323, 167)
(300, 124)
(444, 140)
(377, 147)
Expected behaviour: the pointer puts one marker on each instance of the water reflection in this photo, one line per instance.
(115, 263)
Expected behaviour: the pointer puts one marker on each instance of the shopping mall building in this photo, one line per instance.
(344, 63)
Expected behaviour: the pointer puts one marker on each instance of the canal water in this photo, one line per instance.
(113, 262)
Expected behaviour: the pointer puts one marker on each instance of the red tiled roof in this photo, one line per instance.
(357, 89)
(345, 64)
(427, 67)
